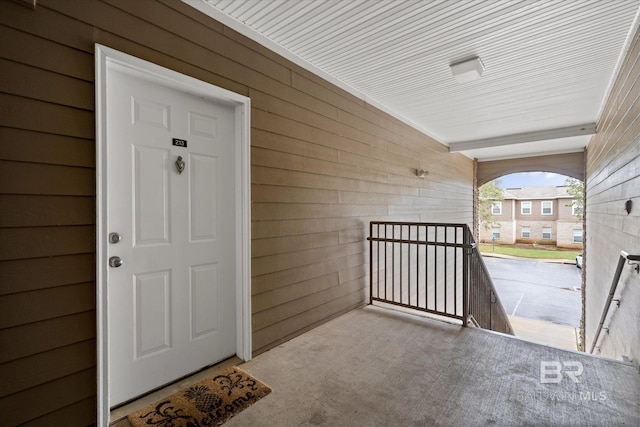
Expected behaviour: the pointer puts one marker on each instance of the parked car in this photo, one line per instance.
(579, 260)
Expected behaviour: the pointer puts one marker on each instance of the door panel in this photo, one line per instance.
(204, 288)
(152, 317)
(151, 195)
(172, 303)
(203, 198)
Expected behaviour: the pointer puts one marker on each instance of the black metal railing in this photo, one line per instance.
(434, 268)
(485, 308)
(622, 259)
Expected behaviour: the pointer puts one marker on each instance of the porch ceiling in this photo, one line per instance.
(548, 65)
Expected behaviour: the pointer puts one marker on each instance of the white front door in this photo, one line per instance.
(170, 191)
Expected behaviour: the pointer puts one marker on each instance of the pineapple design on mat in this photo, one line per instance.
(207, 403)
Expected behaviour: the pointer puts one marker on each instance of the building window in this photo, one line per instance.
(546, 232)
(547, 207)
(576, 208)
(525, 208)
(496, 208)
(577, 236)
(495, 233)
(526, 232)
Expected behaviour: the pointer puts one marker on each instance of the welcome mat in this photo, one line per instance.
(208, 403)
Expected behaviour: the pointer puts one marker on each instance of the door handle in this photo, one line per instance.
(115, 261)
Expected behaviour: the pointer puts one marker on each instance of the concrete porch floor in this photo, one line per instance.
(379, 367)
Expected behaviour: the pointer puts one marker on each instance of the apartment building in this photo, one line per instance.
(541, 215)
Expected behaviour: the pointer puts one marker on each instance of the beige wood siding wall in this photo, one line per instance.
(570, 164)
(324, 163)
(613, 177)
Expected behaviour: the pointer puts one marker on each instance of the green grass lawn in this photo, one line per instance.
(529, 253)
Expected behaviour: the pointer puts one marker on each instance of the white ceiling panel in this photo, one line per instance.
(548, 64)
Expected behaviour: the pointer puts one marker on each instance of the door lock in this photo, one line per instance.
(115, 262)
(114, 237)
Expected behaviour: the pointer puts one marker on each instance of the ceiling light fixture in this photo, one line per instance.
(467, 70)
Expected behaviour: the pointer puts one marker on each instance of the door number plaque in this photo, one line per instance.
(180, 142)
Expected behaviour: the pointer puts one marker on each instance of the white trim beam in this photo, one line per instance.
(541, 135)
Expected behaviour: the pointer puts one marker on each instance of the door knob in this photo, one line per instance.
(115, 261)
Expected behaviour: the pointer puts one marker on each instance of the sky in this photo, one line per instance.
(531, 179)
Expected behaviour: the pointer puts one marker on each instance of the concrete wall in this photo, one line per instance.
(612, 178)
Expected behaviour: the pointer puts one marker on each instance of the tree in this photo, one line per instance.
(489, 194)
(575, 188)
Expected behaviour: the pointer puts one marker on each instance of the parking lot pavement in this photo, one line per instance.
(538, 290)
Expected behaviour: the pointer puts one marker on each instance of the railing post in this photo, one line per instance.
(370, 263)
(465, 276)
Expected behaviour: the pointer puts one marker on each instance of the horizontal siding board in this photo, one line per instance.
(135, 28)
(618, 156)
(36, 306)
(405, 169)
(83, 413)
(353, 274)
(282, 312)
(30, 114)
(262, 157)
(307, 82)
(354, 235)
(37, 147)
(278, 228)
(291, 327)
(36, 242)
(50, 25)
(269, 96)
(26, 274)
(626, 85)
(44, 85)
(617, 193)
(283, 177)
(18, 342)
(298, 129)
(39, 179)
(40, 368)
(272, 193)
(272, 263)
(161, 15)
(282, 245)
(138, 50)
(626, 122)
(617, 107)
(311, 118)
(194, 14)
(303, 273)
(42, 211)
(43, 53)
(266, 301)
(273, 211)
(352, 119)
(282, 143)
(48, 397)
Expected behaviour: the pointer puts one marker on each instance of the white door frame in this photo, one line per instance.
(107, 58)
